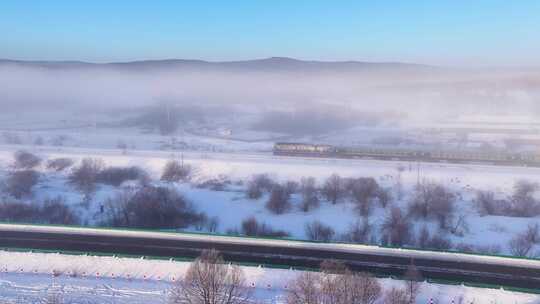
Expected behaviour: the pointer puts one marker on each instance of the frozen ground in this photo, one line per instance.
(231, 205)
(28, 278)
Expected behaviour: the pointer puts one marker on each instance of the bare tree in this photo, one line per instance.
(366, 289)
(250, 226)
(396, 228)
(523, 243)
(317, 231)
(334, 285)
(308, 189)
(399, 184)
(305, 289)
(384, 197)
(524, 187)
(485, 203)
(359, 232)
(20, 183)
(431, 200)
(520, 246)
(25, 160)
(279, 201)
(333, 282)
(53, 298)
(210, 281)
(423, 238)
(212, 224)
(363, 190)
(412, 283)
(258, 184)
(395, 296)
(533, 233)
(333, 189)
(524, 203)
(291, 186)
(460, 226)
(341, 286)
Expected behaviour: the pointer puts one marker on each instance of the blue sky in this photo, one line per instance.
(452, 32)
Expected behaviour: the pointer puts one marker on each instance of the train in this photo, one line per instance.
(450, 156)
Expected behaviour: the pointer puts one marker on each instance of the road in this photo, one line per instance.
(381, 261)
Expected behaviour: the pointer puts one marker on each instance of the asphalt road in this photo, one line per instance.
(277, 253)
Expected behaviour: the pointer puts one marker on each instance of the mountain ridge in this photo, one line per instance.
(270, 63)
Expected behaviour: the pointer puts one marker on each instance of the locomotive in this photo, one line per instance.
(451, 156)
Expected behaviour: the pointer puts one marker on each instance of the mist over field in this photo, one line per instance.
(343, 92)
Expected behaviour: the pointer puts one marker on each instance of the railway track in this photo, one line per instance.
(503, 271)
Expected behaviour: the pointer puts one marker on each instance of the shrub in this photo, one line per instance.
(20, 183)
(25, 160)
(317, 231)
(84, 176)
(251, 227)
(39, 141)
(52, 211)
(439, 242)
(115, 176)
(55, 211)
(151, 207)
(215, 184)
(12, 138)
(19, 212)
(59, 164)
(175, 172)
(489, 249)
(463, 247)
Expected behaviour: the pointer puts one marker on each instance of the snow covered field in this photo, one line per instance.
(28, 277)
(231, 205)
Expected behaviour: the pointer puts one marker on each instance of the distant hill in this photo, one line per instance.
(267, 64)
